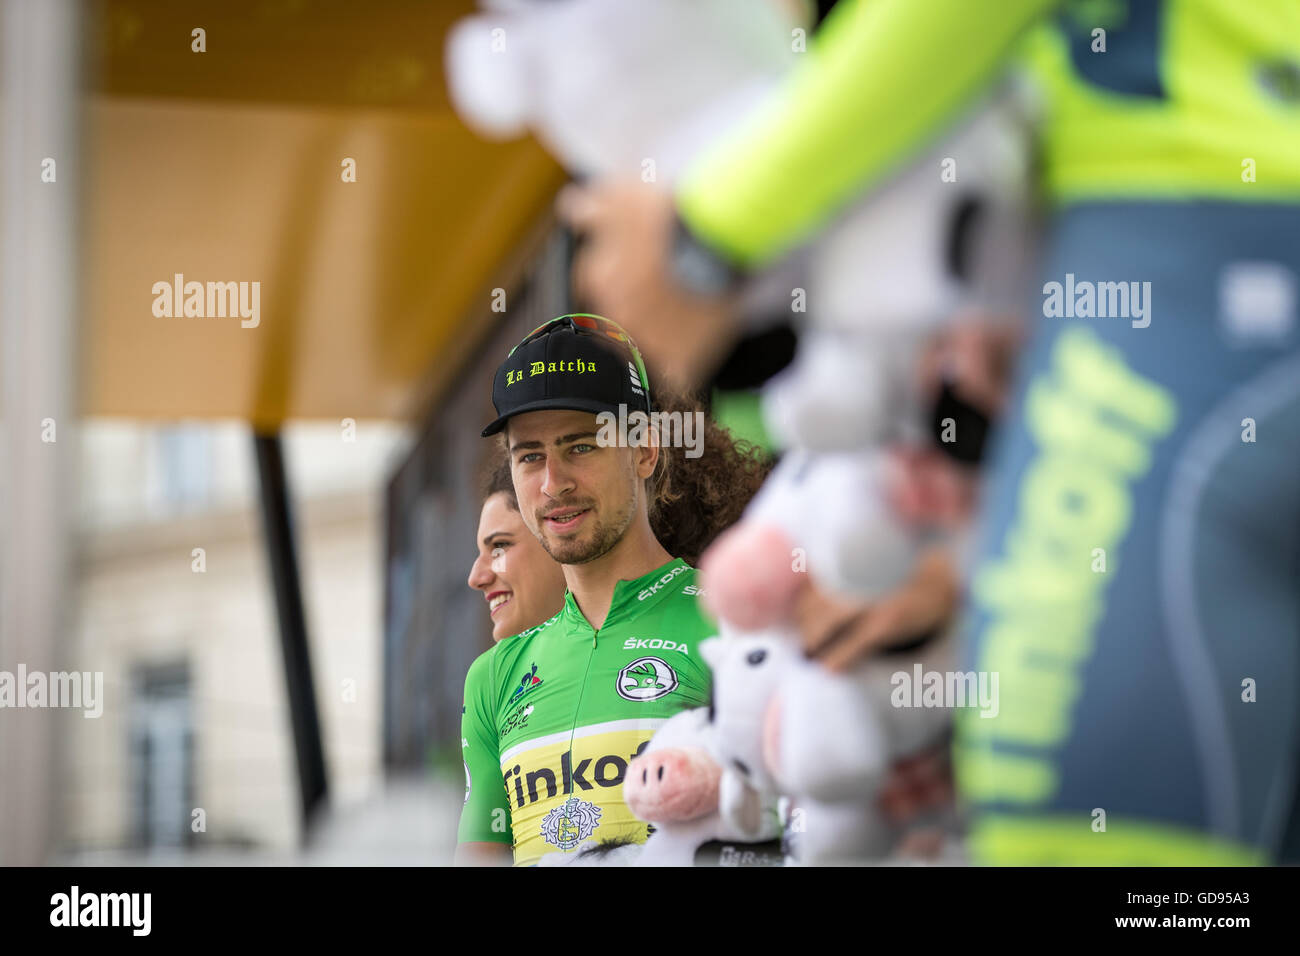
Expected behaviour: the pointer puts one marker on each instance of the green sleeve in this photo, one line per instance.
(881, 77)
(486, 816)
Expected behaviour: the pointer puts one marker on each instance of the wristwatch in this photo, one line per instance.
(697, 268)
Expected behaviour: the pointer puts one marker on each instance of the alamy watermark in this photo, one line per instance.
(129, 910)
(65, 689)
(208, 300)
(1101, 300)
(948, 689)
(630, 429)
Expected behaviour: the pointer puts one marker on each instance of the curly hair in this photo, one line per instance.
(692, 500)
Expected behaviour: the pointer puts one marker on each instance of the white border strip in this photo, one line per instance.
(638, 723)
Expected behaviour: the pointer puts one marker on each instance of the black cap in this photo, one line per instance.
(566, 368)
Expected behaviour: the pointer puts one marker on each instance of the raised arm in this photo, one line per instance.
(882, 77)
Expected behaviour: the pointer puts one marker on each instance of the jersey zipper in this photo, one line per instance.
(573, 725)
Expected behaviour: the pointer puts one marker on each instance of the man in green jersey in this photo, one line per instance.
(553, 715)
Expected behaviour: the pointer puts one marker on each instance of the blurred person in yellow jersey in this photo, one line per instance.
(1141, 527)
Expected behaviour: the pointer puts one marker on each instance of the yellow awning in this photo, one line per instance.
(226, 166)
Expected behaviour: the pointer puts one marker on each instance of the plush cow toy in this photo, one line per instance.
(949, 232)
(618, 87)
(787, 725)
(678, 785)
(920, 253)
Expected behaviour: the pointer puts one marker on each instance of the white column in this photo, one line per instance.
(39, 276)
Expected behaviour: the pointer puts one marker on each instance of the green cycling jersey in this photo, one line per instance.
(553, 715)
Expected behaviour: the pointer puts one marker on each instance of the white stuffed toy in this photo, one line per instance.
(609, 86)
(787, 725)
(893, 271)
(678, 785)
(881, 284)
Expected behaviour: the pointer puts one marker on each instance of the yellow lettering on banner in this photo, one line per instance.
(1094, 420)
(991, 775)
(1077, 503)
(1055, 418)
(1097, 372)
(1035, 693)
(1032, 575)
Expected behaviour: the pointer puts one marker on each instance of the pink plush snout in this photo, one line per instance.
(749, 577)
(672, 785)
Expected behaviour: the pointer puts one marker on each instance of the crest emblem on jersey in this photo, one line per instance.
(646, 678)
(570, 823)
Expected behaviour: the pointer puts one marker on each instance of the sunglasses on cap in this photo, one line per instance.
(588, 324)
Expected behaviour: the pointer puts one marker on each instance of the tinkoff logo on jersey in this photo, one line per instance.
(646, 678)
(589, 772)
(526, 683)
(570, 823)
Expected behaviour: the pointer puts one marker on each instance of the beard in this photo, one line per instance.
(591, 543)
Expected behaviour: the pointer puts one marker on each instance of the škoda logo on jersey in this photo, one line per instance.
(665, 579)
(646, 678)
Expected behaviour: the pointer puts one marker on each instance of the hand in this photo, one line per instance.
(926, 488)
(622, 270)
(975, 357)
(841, 632)
(916, 785)
(977, 354)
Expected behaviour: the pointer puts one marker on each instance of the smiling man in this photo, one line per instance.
(553, 715)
